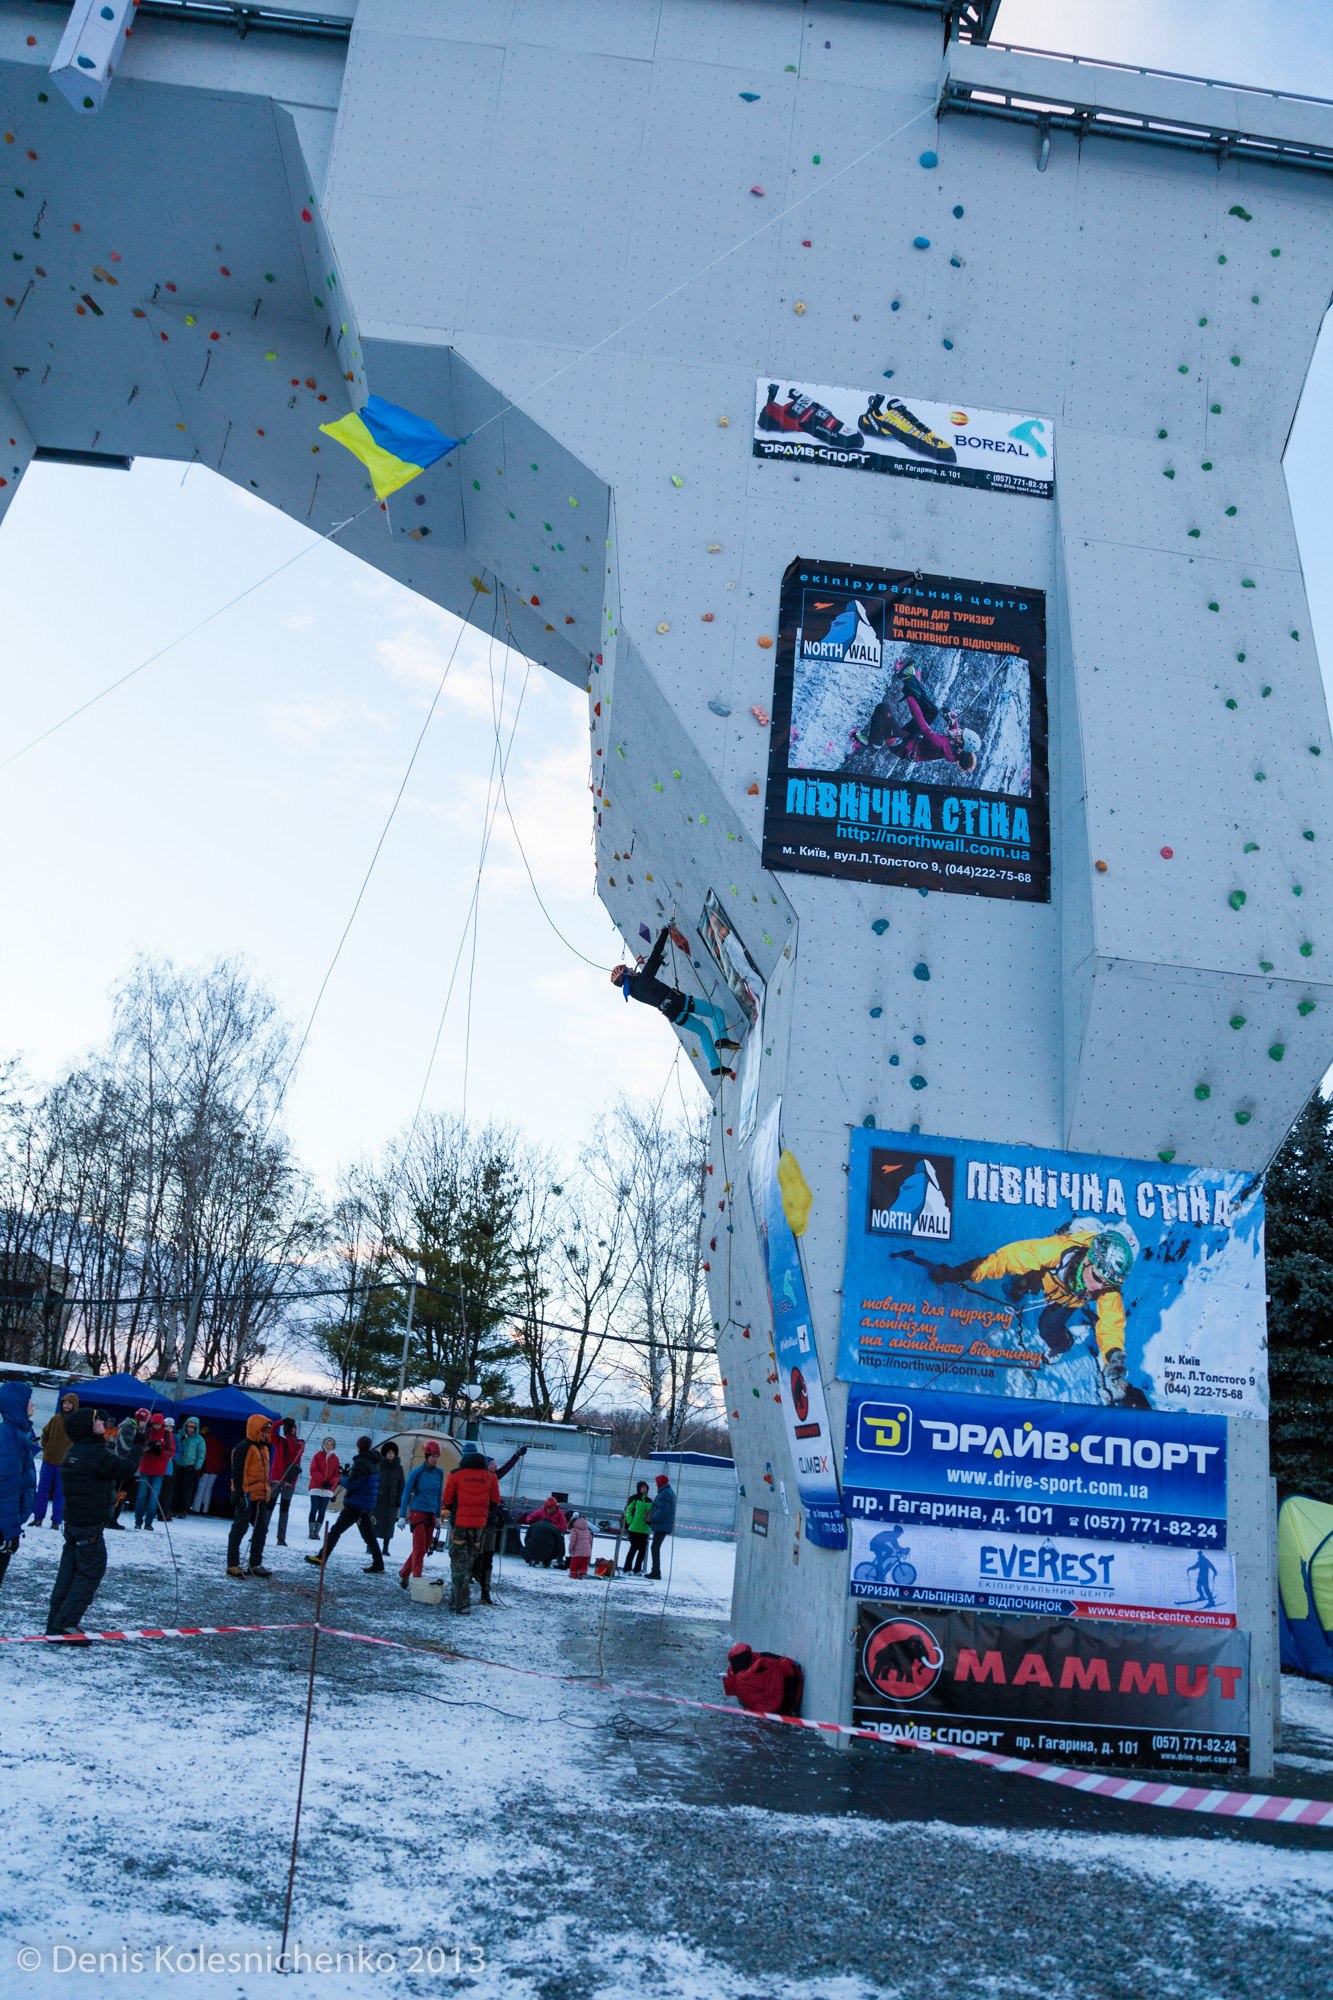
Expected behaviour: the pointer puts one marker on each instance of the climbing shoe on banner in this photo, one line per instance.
(802, 416)
(888, 418)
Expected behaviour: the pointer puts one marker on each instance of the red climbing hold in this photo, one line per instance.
(310, 381)
(534, 600)
(756, 190)
(752, 791)
(1167, 853)
(225, 272)
(805, 243)
(306, 216)
(215, 336)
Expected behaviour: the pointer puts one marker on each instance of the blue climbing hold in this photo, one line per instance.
(919, 1041)
(921, 971)
(893, 1062)
(896, 306)
(888, 374)
(719, 708)
(921, 243)
(957, 263)
(918, 1083)
(750, 96)
(929, 160)
(958, 210)
(875, 1013)
(880, 925)
(949, 345)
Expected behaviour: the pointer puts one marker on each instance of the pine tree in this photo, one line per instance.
(1299, 1200)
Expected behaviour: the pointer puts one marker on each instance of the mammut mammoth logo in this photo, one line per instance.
(903, 1659)
(911, 1194)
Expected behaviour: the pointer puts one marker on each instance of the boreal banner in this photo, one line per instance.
(909, 732)
(1013, 1468)
(1042, 1688)
(801, 1387)
(870, 431)
(1055, 1277)
(975, 1569)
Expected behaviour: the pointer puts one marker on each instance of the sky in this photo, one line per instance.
(228, 800)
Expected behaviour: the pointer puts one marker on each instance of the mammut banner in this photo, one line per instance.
(875, 432)
(1093, 1692)
(780, 1198)
(973, 1569)
(908, 743)
(1058, 1277)
(993, 1464)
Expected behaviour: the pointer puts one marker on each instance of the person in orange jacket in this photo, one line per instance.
(253, 1490)
(470, 1492)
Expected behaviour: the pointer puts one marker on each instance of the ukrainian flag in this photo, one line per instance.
(392, 443)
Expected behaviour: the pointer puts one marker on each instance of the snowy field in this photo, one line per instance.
(568, 1843)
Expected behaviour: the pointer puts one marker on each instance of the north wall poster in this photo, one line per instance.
(1056, 1277)
(908, 742)
(1097, 1692)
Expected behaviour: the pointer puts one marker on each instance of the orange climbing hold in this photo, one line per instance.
(1100, 866)
(766, 643)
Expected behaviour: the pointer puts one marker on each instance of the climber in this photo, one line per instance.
(919, 738)
(1082, 1270)
(698, 1017)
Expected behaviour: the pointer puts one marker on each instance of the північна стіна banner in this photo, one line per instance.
(1099, 1692)
(908, 743)
(871, 431)
(1027, 1468)
(974, 1569)
(1062, 1277)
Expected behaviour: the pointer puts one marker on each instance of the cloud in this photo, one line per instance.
(306, 721)
(299, 621)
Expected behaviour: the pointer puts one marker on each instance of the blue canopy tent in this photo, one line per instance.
(122, 1393)
(225, 1405)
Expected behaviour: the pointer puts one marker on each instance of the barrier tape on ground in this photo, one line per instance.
(1263, 1806)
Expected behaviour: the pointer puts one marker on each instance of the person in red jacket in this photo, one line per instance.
(288, 1449)
(215, 1461)
(765, 1683)
(158, 1452)
(470, 1492)
(325, 1472)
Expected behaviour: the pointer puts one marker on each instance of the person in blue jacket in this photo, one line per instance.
(361, 1486)
(423, 1496)
(18, 1468)
(661, 1521)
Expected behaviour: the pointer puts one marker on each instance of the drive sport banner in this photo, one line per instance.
(908, 743)
(1057, 1277)
(802, 1389)
(977, 1570)
(875, 432)
(1095, 1693)
(1012, 1468)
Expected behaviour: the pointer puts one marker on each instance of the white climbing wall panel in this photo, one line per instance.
(580, 233)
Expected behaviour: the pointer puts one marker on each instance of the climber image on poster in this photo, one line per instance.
(1098, 1691)
(873, 431)
(1056, 1277)
(782, 1204)
(908, 742)
(747, 987)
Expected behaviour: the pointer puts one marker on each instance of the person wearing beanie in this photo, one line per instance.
(288, 1451)
(470, 1492)
(661, 1521)
(55, 1443)
(158, 1451)
(92, 1473)
(360, 1493)
(390, 1494)
(325, 1472)
(422, 1502)
(189, 1463)
(253, 1492)
(490, 1541)
(18, 1477)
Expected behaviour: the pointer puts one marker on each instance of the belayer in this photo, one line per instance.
(929, 734)
(700, 1017)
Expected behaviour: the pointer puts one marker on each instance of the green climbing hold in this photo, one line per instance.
(1250, 847)
(1265, 965)
(1202, 1091)
(1167, 1154)
(1242, 1117)
(1306, 951)
(1169, 472)
(1275, 253)
(1261, 777)
(1231, 701)
(1247, 583)
(1240, 656)
(1236, 898)
(1213, 604)
(1277, 1051)
(1203, 322)
(1216, 409)
(1308, 834)
(1221, 260)
(1295, 635)
(880, 925)
(1243, 213)
(1235, 361)
(1296, 889)
(1304, 1007)
(958, 211)
(869, 1121)
(815, 159)
(1265, 692)
(1230, 511)
(1183, 368)
(1194, 533)
(1238, 1020)
(1207, 465)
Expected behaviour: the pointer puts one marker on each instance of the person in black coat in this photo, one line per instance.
(92, 1474)
(390, 1494)
(696, 1016)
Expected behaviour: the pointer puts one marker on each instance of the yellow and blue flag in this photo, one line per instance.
(393, 444)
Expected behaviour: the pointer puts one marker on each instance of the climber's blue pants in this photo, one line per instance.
(709, 1023)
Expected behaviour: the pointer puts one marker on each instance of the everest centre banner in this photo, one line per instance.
(1058, 1277)
(782, 1203)
(908, 743)
(875, 432)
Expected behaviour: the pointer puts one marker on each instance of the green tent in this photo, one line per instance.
(1305, 1583)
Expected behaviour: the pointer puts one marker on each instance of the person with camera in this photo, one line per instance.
(92, 1474)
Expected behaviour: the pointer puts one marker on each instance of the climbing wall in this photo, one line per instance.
(576, 237)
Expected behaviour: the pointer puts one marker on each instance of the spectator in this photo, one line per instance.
(165, 1506)
(252, 1485)
(288, 1451)
(18, 1476)
(215, 1461)
(550, 1510)
(661, 1521)
(128, 1433)
(470, 1492)
(580, 1544)
(92, 1474)
(638, 1508)
(490, 1541)
(363, 1484)
(159, 1448)
(325, 1472)
(422, 1504)
(55, 1443)
(189, 1463)
(765, 1683)
(389, 1496)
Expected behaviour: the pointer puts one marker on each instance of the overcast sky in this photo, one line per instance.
(229, 799)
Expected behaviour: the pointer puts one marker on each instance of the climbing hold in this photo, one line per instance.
(880, 925)
(875, 1013)
(714, 548)
(957, 263)
(920, 1041)
(1216, 409)
(1305, 951)
(958, 210)
(921, 971)
(1308, 834)
(1213, 604)
(1236, 898)
(719, 708)
(478, 585)
(306, 216)
(1235, 361)
(1207, 465)
(1183, 368)
(949, 345)
(1100, 866)
(921, 243)
(1260, 777)
(894, 1061)
(663, 627)
(1250, 847)
(1167, 853)
(918, 1082)
(766, 642)
(752, 791)
(1304, 1007)
(1202, 1091)
(928, 160)
(1161, 434)
(1240, 656)
(1169, 473)
(816, 159)
(1238, 1021)
(1296, 889)
(1247, 583)
(895, 305)
(756, 190)
(799, 306)
(1166, 1155)
(676, 479)
(724, 423)
(1243, 1117)
(761, 715)
(750, 96)
(1231, 701)
(869, 1121)
(706, 617)
(1194, 533)
(1221, 260)
(806, 245)
(1277, 1051)
(1243, 213)
(1275, 253)
(1265, 965)
(797, 1199)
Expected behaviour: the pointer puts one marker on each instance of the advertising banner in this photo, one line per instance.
(871, 431)
(971, 1569)
(1057, 1277)
(908, 743)
(1096, 1693)
(746, 984)
(802, 1390)
(1023, 1468)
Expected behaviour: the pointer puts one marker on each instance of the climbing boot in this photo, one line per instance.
(886, 417)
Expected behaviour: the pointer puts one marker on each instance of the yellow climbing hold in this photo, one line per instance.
(797, 1200)
(799, 306)
(477, 584)
(664, 627)
(724, 423)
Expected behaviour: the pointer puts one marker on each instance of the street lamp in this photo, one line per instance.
(470, 1392)
(407, 1336)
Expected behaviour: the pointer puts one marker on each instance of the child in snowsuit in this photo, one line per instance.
(580, 1544)
(698, 1017)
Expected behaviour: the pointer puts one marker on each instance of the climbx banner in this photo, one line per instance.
(909, 732)
(782, 1203)
(1002, 1467)
(976, 1569)
(1037, 1687)
(1061, 1277)
(876, 432)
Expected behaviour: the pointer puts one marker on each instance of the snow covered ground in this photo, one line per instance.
(571, 1844)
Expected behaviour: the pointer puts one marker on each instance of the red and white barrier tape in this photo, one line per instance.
(1267, 1807)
